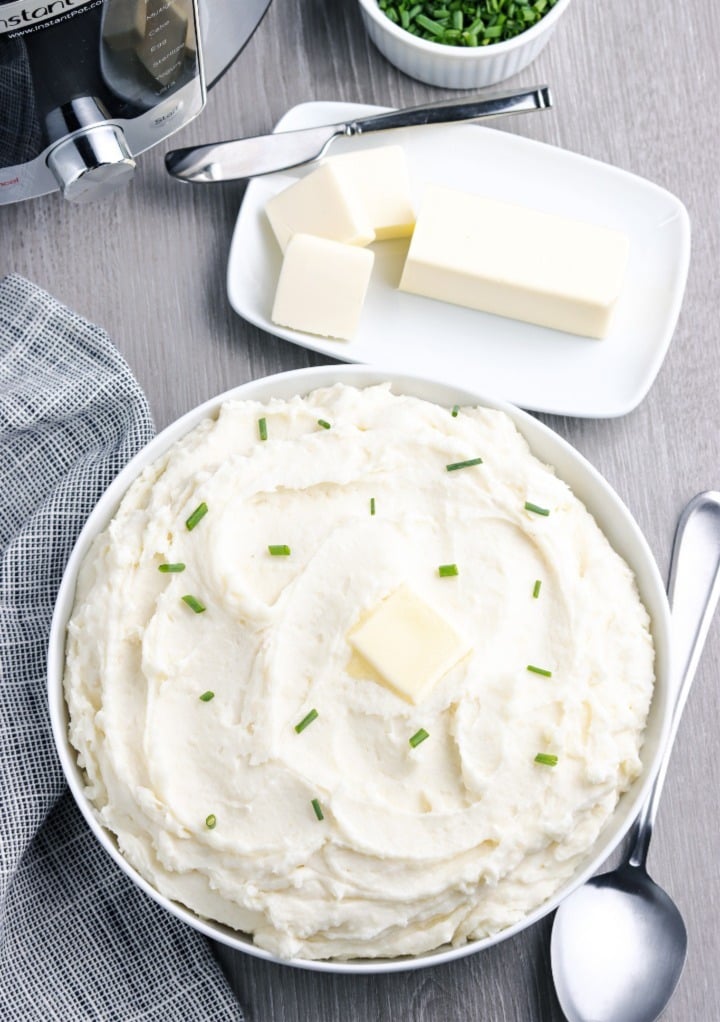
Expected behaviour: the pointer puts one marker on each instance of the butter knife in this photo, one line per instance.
(265, 154)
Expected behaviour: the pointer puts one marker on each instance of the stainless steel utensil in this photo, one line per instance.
(264, 154)
(619, 943)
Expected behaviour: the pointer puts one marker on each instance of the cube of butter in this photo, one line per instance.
(380, 179)
(409, 644)
(324, 204)
(516, 262)
(322, 286)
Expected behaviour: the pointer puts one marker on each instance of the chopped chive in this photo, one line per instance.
(279, 550)
(446, 22)
(315, 803)
(307, 719)
(372, 505)
(546, 758)
(262, 429)
(210, 821)
(199, 512)
(194, 604)
(418, 737)
(539, 670)
(324, 423)
(446, 570)
(434, 27)
(455, 410)
(463, 464)
(536, 588)
(167, 569)
(207, 696)
(534, 507)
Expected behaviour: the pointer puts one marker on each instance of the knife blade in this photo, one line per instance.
(265, 154)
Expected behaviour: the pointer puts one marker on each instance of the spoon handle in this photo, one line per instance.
(693, 588)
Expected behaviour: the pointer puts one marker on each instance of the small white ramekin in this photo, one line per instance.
(456, 67)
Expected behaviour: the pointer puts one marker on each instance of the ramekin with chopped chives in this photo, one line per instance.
(463, 23)
(461, 44)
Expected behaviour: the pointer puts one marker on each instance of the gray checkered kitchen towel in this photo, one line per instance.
(78, 941)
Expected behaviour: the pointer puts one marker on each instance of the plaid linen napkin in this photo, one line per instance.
(78, 941)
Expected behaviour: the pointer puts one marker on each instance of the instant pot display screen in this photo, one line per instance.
(97, 59)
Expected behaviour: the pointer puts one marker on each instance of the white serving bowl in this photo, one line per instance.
(458, 67)
(613, 518)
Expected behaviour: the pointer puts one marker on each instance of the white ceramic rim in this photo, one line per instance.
(464, 52)
(549, 447)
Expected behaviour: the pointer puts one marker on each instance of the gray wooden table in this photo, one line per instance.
(636, 85)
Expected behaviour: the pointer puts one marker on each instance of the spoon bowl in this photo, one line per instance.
(619, 943)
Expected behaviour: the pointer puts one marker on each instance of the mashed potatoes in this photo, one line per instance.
(342, 838)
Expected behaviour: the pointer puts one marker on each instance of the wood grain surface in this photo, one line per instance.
(635, 84)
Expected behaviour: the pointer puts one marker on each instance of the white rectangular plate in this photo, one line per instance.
(534, 367)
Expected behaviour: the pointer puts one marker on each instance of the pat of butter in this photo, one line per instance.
(409, 644)
(516, 262)
(379, 178)
(322, 286)
(324, 204)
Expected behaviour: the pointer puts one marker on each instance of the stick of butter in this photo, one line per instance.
(322, 286)
(515, 262)
(408, 643)
(380, 179)
(325, 204)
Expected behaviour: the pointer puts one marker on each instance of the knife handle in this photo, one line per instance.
(468, 109)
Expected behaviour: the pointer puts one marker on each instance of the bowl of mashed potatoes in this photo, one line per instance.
(359, 671)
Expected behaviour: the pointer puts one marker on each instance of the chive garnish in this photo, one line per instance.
(194, 604)
(463, 22)
(418, 737)
(262, 428)
(536, 588)
(279, 550)
(372, 505)
(463, 464)
(538, 510)
(539, 670)
(455, 410)
(199, 512)
(210, 821)
(207, 696)
(315, 803)
(446, 570)
(307, 719)
(324, 423)
(546, 758)
(430, 26)
(171, 568)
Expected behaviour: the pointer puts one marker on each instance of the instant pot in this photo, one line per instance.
(87, 85)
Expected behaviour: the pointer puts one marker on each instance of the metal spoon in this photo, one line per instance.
(619, 943)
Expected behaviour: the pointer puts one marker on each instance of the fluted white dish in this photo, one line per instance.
(458, 67)
(611, 514)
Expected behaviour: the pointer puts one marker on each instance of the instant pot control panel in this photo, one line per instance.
(87, 85)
